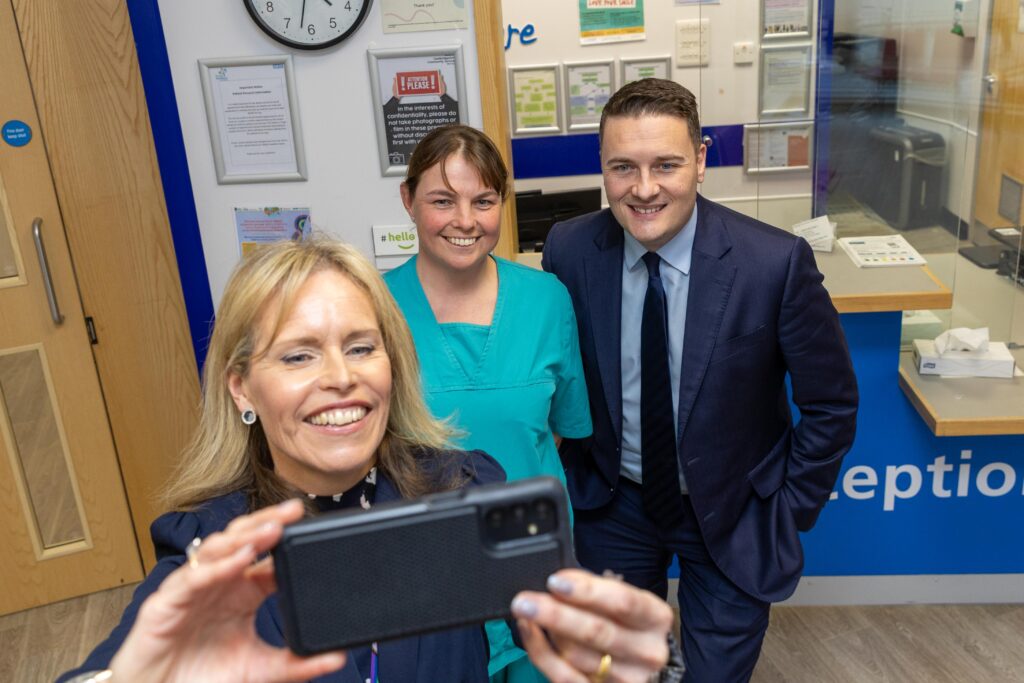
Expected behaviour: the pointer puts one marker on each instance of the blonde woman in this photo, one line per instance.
(311, 391)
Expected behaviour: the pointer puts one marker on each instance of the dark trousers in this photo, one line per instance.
(722, 627)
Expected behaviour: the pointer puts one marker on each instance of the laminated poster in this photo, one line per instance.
(270, 224)
(611, 21)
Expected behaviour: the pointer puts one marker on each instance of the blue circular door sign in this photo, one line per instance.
(16, 133)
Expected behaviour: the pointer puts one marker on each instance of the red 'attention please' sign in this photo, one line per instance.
(419, 83)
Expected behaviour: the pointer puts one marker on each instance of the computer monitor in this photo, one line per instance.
(537, 211)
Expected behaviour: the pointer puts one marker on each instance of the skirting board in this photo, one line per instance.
(925, 589)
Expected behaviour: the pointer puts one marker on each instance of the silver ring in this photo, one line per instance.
(192, 552)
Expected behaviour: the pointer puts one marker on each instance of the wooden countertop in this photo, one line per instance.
(965, 406)
(872, 290)
(864, 290)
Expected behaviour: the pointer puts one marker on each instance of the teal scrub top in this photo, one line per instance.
(508, 387)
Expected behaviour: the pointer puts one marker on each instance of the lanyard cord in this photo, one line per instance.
(373, 664)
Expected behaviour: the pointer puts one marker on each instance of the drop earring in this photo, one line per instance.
(248, 416)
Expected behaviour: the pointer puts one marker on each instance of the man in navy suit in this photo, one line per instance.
(690, 318)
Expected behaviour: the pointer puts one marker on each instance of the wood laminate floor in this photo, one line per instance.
(897, 644)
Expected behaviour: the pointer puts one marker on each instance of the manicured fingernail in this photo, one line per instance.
(559, 584)
(524, 607)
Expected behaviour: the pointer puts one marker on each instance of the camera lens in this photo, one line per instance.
(495, 519)
(542, 509)
(519, 512)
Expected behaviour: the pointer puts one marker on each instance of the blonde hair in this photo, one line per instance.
(225, 455)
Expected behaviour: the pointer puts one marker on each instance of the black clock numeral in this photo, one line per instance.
(287, 21)
(334, 23)
(311, 29)
(348, 6)
(270, 7)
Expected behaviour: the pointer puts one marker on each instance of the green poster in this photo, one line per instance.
(611, 21)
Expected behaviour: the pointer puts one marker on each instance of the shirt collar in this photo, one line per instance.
(678, 252)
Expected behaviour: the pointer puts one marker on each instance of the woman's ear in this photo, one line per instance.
(236, 385)
(406, 198)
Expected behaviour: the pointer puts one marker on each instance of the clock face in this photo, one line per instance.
(308, 24)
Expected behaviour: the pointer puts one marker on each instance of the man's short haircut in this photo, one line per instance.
(655, 97)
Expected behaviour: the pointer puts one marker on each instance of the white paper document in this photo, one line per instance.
(819, 232)
(881, 251)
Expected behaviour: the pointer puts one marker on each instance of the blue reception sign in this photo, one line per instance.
(16, 133)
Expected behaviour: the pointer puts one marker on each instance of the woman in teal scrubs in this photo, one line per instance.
(497, 341)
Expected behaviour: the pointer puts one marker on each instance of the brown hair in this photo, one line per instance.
(655, 97)
(467, 142)
(225, 455)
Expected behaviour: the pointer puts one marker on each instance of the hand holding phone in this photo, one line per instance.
(442, 561)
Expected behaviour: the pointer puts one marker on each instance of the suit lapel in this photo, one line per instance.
(603, 268)
(711, 280)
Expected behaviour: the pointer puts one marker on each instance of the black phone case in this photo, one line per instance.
(354, 577)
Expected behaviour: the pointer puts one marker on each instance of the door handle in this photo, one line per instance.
(991, 82)
(44, 265)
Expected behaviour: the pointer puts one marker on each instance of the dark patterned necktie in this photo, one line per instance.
(661, 493)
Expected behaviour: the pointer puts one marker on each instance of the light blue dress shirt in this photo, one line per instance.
(675, 276)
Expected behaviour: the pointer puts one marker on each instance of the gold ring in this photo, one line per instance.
(192, 552)
(603, 669)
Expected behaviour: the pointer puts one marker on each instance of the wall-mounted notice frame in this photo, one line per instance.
(253, 113)
(786, 80)
(535, 99)
(785, 19)
(777, 147)
(588, 86)
(635, 69)
(415, 90)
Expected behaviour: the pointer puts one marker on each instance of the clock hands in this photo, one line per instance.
(302, 17)
(329, 3)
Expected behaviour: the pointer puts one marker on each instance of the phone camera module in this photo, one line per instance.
(519, 513)
(543, 510)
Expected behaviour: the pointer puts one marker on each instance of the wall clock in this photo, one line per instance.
(308, 24)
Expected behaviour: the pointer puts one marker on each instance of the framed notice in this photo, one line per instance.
(588, 86)
(786, 80)
(414, 91)
(785, 19)
(645, 67)
(253, 114)
(777, 147)
(535, 98)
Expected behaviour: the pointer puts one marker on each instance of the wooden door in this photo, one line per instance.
(65, 527)
(1002, 122)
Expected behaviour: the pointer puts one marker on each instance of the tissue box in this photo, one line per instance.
(997, 361)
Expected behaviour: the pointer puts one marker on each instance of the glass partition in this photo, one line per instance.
(897, 119)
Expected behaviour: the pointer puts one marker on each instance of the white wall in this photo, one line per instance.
(727, 93)
(345, 190)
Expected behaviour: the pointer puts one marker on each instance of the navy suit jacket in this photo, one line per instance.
(756, 311)
(457, 655)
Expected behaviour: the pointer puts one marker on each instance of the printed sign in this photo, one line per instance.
(394, 240)
(418, 83)
(16, 133)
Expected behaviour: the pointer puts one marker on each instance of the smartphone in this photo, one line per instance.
(445, 560)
